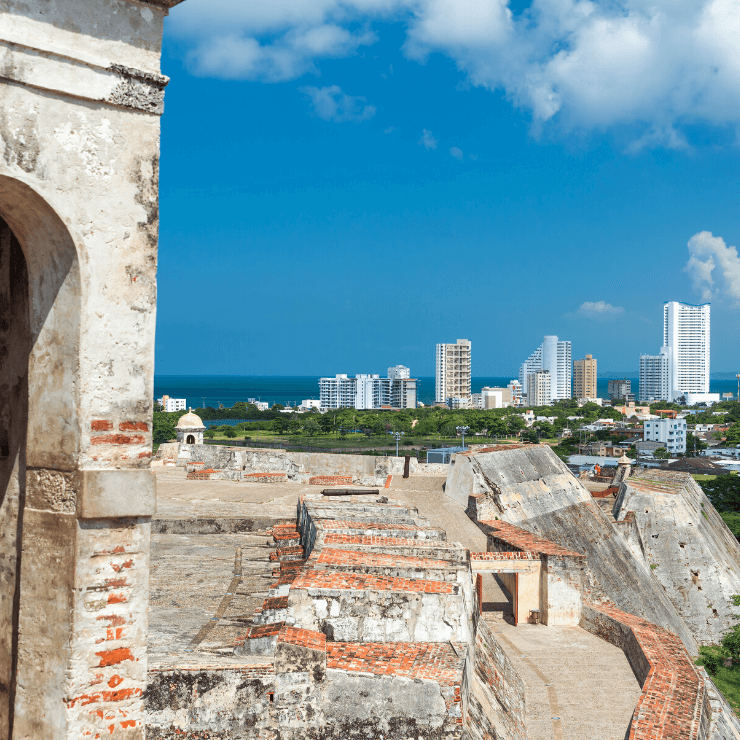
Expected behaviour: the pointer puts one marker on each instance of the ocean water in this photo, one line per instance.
(212, 390)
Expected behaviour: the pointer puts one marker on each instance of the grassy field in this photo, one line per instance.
(385, 441)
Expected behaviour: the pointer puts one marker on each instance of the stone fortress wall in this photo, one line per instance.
(372, 602)
(689, 549)
(238, 463)
(371, 630)
(529, 486)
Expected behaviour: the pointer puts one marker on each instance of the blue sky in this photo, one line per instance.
(344, 185)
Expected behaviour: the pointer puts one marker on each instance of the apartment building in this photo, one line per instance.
(369, 391)
(338, 392)
(584, 378)
(453, 371)
(554, 356)
(499, 397)
(655, 376)
(172, 404)
(621, 390)
(671, 433)
(539, 389)
(681, 371)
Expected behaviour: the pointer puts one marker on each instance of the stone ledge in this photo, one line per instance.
(108, 494)
(437, 661)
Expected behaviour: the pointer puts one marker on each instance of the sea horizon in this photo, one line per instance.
(212, 390)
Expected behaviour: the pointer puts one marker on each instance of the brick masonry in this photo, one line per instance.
(339, 558)
(433, 660)
(330, 480)
(338, 580)
(509, 537)
(265, 477)
(201, 474)
(349, 539)
(505, 555)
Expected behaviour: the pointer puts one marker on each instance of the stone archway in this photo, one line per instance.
(14, 351)
(190, 440)
(39, 439)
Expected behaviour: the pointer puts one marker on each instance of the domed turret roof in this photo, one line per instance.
(624, 460)
(190, 421)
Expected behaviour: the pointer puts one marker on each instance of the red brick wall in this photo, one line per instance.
(330, 480)
(204, 474)
(508, 536)
(328, 579)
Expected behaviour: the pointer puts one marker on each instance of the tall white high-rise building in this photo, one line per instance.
(453, 371)
(554, 356)
(681, 371)
(371, 392)
(686, 334)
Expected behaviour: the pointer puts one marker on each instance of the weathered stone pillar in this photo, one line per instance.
(80, 98)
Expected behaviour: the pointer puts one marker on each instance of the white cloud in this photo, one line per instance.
(331, 104)
(599, 309)
(456, 152)
(427, 140)
(389, 130)
(706, 253)
(578, 64)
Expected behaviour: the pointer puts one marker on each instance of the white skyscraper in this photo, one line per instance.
(686, 334)
(555, 357)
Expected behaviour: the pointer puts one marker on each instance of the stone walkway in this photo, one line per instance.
(578, 687)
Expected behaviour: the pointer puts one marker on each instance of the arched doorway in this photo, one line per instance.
(15, 345)
(39, 440)
(190, 440)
